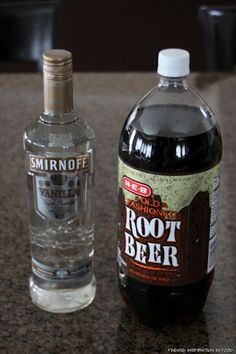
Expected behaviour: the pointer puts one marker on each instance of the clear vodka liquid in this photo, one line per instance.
(60, 178)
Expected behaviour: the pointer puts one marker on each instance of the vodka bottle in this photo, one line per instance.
(60, 164)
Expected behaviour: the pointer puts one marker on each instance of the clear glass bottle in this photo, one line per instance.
(60, 178)
(169, 173)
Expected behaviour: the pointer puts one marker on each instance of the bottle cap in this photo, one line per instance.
(57, 64)
(173, 62)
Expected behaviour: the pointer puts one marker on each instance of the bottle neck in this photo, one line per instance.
(58, 96)
(173, 82)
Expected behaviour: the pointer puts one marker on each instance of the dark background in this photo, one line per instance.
(126, 35)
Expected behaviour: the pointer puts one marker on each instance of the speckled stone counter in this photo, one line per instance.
(106, 326)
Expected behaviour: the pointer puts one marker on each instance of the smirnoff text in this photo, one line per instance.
(44, 164)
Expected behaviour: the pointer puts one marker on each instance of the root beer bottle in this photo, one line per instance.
(169, 174)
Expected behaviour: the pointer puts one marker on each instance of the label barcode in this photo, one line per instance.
(211, 254)
(212, 235)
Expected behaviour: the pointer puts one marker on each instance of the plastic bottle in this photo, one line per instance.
(169, 174)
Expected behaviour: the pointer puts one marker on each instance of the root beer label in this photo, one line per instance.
(167, 225)
(57, 184)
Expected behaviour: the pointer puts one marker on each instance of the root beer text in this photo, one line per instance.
(139, 229)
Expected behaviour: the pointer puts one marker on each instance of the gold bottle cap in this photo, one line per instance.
(57, 64)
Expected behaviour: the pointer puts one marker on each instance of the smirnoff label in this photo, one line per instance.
(58, 184)
(46, 164)
(167, 231)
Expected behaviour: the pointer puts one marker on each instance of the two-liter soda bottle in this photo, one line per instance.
(169, 175)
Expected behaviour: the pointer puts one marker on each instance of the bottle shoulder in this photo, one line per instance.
(66, 136)
(170, 132)
(176, 110)
(178, 92)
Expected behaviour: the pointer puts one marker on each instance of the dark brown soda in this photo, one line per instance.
(149, 142)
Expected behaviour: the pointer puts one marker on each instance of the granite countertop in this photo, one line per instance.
(106, 326)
